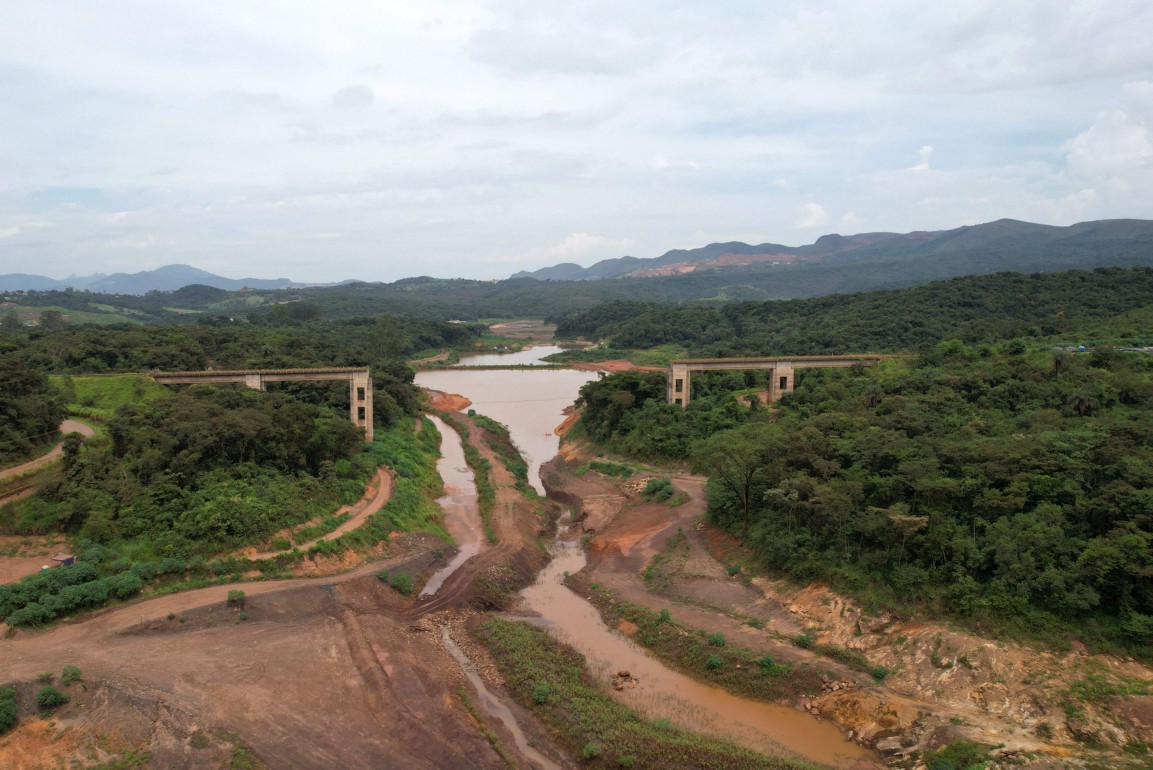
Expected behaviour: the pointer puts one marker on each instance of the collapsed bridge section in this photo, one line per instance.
(782, 371)
(359, 385)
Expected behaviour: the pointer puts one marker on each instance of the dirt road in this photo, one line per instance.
(66, 427)
(333, 672)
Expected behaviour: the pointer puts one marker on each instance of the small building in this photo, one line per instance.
(63, 560)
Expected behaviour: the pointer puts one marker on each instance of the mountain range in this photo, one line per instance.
(167, 278)
(976, 248)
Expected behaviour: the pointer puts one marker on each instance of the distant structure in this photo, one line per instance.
(781, 379)
(359, 385)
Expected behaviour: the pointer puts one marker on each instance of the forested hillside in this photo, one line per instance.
(30, 411)
(974, 309)
(1007, 487)
(381, 343)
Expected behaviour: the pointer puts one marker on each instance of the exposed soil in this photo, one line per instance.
(613, 366)
(439, 401)
(945, 686)
(335, 672)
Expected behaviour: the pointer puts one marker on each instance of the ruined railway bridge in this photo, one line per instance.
(782, 371)
(359, 385)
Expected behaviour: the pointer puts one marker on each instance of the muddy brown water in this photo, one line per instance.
(459, 503)
(529, 356)
(530, 403)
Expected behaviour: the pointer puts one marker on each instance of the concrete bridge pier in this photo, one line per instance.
(782, 371)
(360, 402)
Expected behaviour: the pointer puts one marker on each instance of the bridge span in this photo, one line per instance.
(782, 371)
(359, 385)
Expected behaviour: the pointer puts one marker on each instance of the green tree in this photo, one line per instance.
(736, 459)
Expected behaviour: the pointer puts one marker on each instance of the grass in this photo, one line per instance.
(100, 395)
(710, 659)
(498, 439)
(591, 724)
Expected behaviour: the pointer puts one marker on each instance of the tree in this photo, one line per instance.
(736, 459)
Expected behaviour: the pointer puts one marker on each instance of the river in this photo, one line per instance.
(531, 404)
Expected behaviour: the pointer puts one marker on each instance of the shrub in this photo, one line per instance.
(281, 544)
(49, 698)
(879, 672)
(70, 674)
(540, 693)
(401, 582)
(591, 751)
(242, 617)
(806, 641)
(235, 598)
(665, 616)
(714, 662)
(717, 640)
(124, 585)
(626, 760)
(9, 711)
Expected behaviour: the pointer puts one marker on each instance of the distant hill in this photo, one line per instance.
(167, 278)
(1006, 244)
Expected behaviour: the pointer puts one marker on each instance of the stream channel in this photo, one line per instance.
(530, 403)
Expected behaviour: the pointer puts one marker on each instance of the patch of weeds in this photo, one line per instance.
(589, 723)
(961, 755)
(236, 598)
(717, 639)
(713, 662)
(48, 698)
(71, 674)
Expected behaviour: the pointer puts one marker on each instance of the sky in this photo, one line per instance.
(382, 140)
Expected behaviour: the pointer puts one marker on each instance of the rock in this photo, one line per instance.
(623, 673)
(890, 745)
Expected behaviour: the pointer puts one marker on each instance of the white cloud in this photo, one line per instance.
(925, 153)
(382, 140)
(582, 246)
(812, 215)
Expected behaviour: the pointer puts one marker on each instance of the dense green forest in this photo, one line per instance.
(1009, 487)
(176, 477)
(30, 411)
(380, 343)
(973, 309)
(200, 472)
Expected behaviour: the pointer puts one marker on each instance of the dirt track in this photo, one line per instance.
(333, 672)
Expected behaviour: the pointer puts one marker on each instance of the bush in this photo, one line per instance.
(717, 640)
(806, 641)
(540, 694)
(9, 711)
(49, 698)
(70, 674)
(591, 751)
(235, 598)
(714, 662)
(242, 617)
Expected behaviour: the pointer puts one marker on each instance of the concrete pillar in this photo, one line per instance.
(679, 385)
(360, 402)
(254, 381)
(781, 381)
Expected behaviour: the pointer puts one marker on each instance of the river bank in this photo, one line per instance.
(1029, 707)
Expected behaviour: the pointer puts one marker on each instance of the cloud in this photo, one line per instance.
(812, 215)
(583, 245)
(1116, 146)
(353, 97)
(925, 152)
